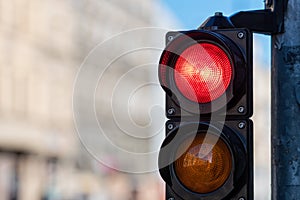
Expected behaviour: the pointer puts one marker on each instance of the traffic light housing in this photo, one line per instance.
(230, 94)
(207, 153)
(207, 160)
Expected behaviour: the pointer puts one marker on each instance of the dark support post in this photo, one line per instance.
(285, 130)
(15, 181)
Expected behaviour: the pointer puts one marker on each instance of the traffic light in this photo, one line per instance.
(207, 153)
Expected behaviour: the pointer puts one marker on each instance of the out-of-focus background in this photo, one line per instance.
(42, 47)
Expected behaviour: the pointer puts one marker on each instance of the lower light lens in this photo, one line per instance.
(205, 163)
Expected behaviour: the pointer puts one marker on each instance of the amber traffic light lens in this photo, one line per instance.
(205, 163)
(203, 72)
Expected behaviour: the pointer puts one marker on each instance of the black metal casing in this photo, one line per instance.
(240, 141)
(230, 113)
(241, 99)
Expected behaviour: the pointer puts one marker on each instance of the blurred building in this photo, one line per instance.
(42, 45)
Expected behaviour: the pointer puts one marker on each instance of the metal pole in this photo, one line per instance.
(15, 179)
(285, 130)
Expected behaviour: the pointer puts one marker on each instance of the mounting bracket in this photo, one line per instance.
(268, 21)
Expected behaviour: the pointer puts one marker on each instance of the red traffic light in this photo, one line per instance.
(203, 72)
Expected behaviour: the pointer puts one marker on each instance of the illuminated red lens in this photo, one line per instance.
(203, 72)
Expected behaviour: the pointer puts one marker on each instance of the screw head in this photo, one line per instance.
(241, 109)
(171, 198)
(170, 38)
(170, 126)
(242, 125)
(171, 111)
(219, 14)
(241, 198)
(241, 35)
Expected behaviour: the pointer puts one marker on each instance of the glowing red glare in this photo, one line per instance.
(203, 72)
